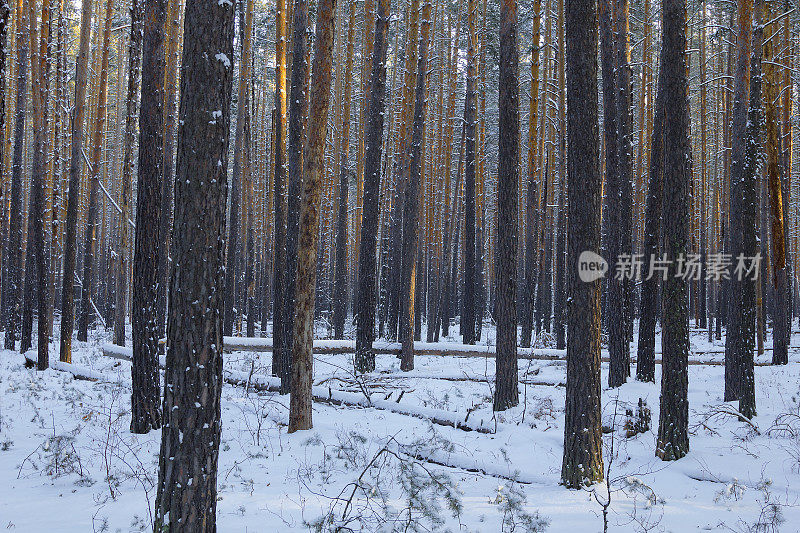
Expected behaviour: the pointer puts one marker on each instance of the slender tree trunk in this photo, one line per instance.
(583, 443)
(187, 481)
(145, 414)
(298, 107)
(279, 360)
(5, 13)
(242, 103)
(131, 103)
(341, 273)
(411, 211)
(470, 118)
(313, 167)
(365, 308)
(648, 306)
(506, 392)
(92, 225)
(741, 294)
(14, 250)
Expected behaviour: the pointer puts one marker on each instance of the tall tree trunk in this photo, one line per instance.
(648, 306)
(187, 480)
(470, 118)
(772, 81)
(41, 98)
(145, 414)
(559, 219)
(313, 168)
(14, 250)
(172, 66)
(298, 107)
(242, 103)
(5, 14)
(506, 392)
(279, 360)
(583, 443)
(90, 237)
(365, 308)
(673, 422)
(340, 270)
(741, 294)
(73, 196)
(131, 110)
(411, 214)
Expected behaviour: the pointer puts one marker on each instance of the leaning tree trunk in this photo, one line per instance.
(187, 479)
(313, 167)
(376, 89)
(583, 442)
(145, 414)
(73, 197)
(131, 103)
(506, 392)
(673, 422)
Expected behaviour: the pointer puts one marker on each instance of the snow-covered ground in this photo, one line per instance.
(68, 462)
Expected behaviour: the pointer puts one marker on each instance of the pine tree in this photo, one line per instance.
(583, 461)
(145, 413)
(187, 481)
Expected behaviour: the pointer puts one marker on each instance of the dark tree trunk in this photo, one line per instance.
(367, 289)
(612, 216)
(313, 168)
(242, 110)
(298, 107)
(145, 414)
(187, 478)
(506, 392)
(134, 71)
(341, 273)
(583, 443)
(73, 196)
(741, 295)
(648, 312)
(5, 13)
(14, 250)
(673, 426)
(470, 119)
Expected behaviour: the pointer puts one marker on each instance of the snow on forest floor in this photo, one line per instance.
(68, 462)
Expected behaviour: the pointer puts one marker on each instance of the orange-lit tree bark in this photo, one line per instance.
(313, 167)
(279, 361)
(411, 215)
(470, 118)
